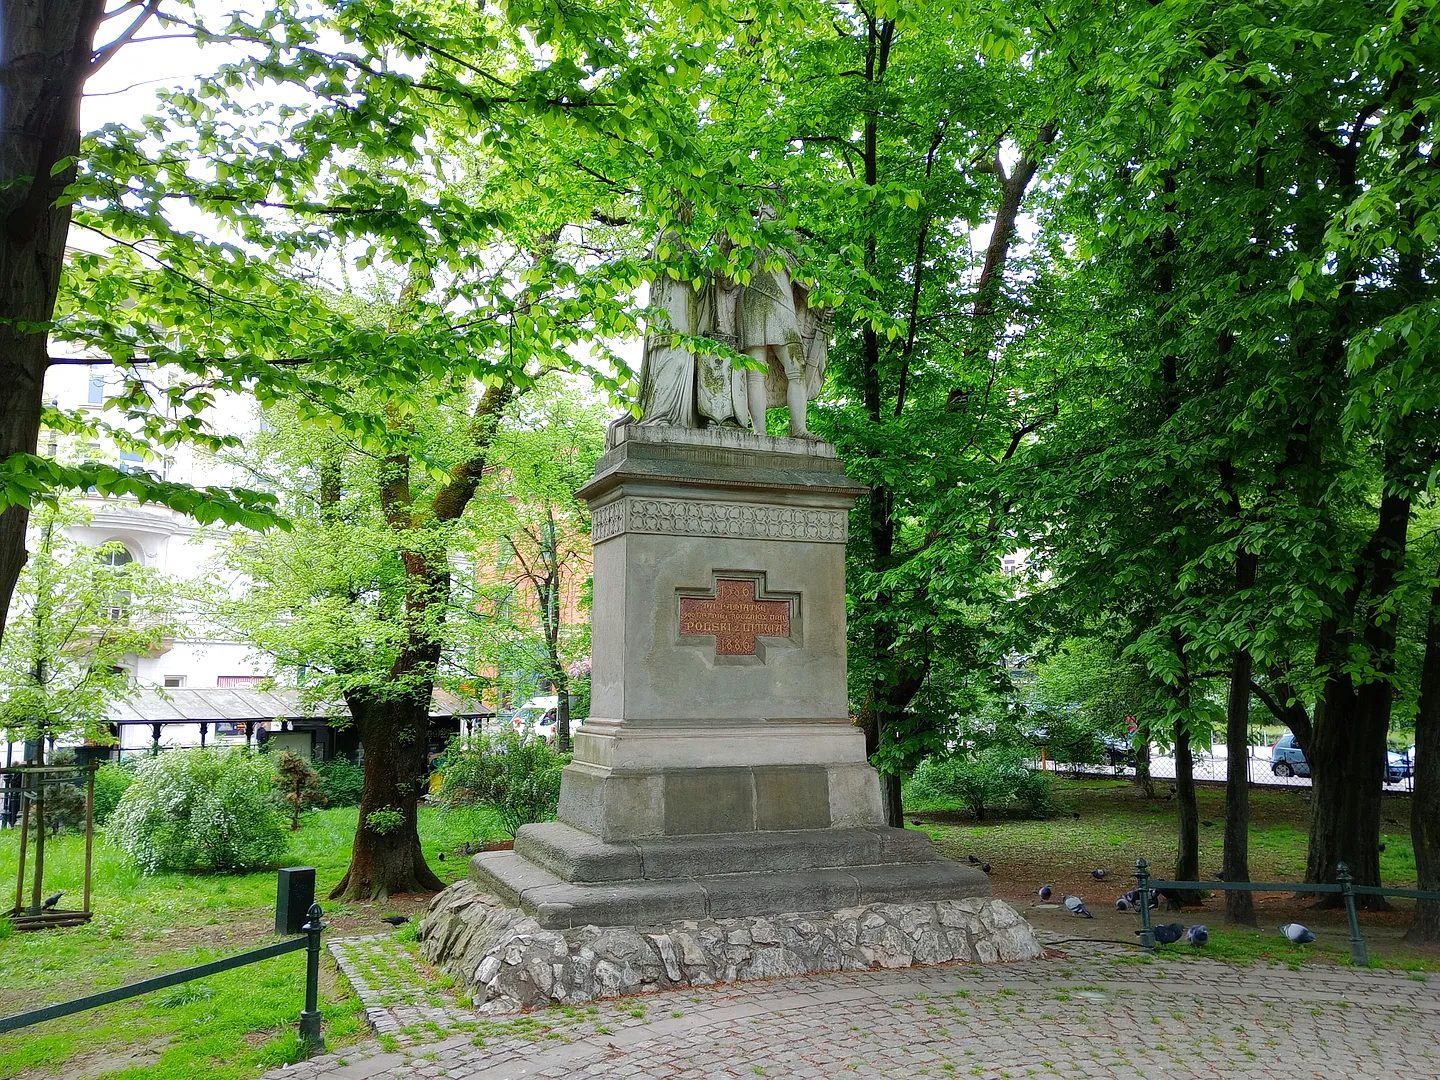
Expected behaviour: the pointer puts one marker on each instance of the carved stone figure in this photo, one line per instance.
(769, 319)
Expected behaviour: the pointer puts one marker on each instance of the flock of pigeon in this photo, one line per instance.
(1165, 933)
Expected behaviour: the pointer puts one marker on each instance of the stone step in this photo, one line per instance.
(557, 904)
(576, 856)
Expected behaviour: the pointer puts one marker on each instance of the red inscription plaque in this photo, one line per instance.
(735, 617)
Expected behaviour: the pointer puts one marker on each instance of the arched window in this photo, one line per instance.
(116, 556)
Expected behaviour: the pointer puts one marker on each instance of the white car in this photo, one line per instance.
(537, 717)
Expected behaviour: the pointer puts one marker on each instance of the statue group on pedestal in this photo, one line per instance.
(769, 319)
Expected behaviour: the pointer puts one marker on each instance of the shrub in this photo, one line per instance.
(987, 779)
(341, 781)
(201, 809)
(1035, 794)
(299, 786)
(111, 780)
(518, 778)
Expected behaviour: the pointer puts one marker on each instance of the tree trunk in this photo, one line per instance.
(1239, 906)
(562, 708)
(1425, 802)
(1141, 740)
(386, 857)
(45, 53)
(1187, 855)
(1347, 765)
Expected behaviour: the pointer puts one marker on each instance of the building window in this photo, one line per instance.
(131, 462)
(174, 682)
(95, 395)
(240, 681)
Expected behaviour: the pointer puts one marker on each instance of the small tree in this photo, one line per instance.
(299, 786)
(78, 614)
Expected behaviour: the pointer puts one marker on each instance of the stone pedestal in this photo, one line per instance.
(719, 773)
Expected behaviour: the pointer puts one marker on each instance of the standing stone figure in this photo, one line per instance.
(769, 319)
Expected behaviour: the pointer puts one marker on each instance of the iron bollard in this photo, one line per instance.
(310, 1017)
(1359, 954)
(1142, 890)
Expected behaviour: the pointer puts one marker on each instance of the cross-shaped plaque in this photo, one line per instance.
(734, 616)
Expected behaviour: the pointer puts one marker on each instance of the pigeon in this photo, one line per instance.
(1197, 935)
(50, 901)
(468, 849)
(440, 855)
(1046, 892)
(1218, 876)
(916, 822)
(1131, 900)
(1167, 933)
(1391, 821)
(1075, 906)
(985, 868)
(1382, 847)
(395, 920)
(973, 860)
(1098, 875)
(1075, 814)
(1208, 824)
(1296, 934)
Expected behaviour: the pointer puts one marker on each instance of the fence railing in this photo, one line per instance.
(1344, 885)
(309, 940)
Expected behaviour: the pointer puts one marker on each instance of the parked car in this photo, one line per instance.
(1287, 759)
(538, 717)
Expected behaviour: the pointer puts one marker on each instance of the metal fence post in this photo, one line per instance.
(310, 1017)
(1359, 954)
(1142, 879)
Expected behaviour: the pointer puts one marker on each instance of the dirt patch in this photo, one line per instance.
(102, 1062)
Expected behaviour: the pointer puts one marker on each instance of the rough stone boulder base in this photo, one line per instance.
(506, 961)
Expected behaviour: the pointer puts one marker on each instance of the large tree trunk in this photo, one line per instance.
(45, 56)
(1347, 751)
(1239, 906)
(1187, 855)
(386, 857)
(1425, 802)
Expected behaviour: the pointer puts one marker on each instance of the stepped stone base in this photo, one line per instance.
(506, 960)
(563, 877)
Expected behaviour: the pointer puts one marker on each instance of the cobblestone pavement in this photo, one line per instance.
(1095, 1011)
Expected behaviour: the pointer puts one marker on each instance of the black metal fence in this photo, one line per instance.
(309, 1016)
(1343, 884)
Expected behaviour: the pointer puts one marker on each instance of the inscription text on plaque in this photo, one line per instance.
(734, 616)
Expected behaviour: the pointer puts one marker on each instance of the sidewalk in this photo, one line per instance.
(1095, 1012)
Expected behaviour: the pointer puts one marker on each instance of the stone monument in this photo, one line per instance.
(719, 774)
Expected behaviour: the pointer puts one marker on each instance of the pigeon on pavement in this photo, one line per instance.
(1075, 906)
(985, 868)
(395, 920)
(973, 860)
(440, 855)
(1168, 933)
(1046, 892)
(1124, 904)
(1098, 875)
(916, 822)
(1296, 934)
(1197, 935)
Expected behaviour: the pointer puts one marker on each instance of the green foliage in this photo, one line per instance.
(985, 779)
(384, 821)
(299, 786)
(74, 618)
(111, 781)
(341, 781)
(201, 809)
(517, 777)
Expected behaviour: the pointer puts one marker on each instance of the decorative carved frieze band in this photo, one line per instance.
(746, 521)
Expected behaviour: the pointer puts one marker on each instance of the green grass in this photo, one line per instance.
(1117, 825)
(226, 1027)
